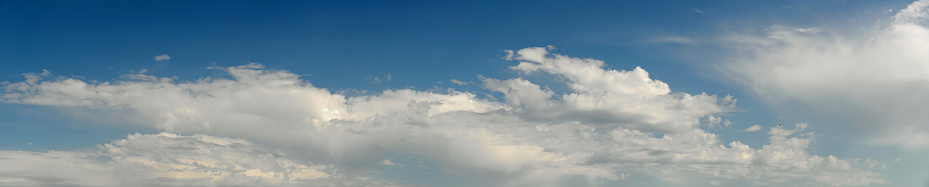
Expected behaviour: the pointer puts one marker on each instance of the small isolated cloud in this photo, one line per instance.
(375, 79)
(387, 163)
(753, 128)
(458, 82)
(162, 57)
(673, 39)
(379, 79)
(509, 54)
(696, 10)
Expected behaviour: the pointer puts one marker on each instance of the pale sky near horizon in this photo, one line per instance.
(478, 93)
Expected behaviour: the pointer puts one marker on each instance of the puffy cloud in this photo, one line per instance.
(874, 77)
(162, 57)
(608, 97)
(753, 128)
(603, 130)
(167, 160)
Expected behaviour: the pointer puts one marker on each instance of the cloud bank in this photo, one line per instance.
(166, 159)
(269, 127)
(877, 78)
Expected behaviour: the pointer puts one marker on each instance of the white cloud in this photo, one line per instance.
(162, 57)
(601, 129)
(875, 77)
(166, 160)
(753, 128)
(696, 10)
(387, 163)
(458, 82)
(611, 98)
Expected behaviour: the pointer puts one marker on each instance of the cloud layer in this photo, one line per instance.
(611, 126)
(166, 160)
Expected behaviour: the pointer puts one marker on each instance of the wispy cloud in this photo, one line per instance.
(673, 39)
(458, 82)
(696, 10)
(378, 79)
(162, 57)
(753, 128)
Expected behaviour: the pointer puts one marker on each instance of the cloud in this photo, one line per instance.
(379, 79)
(696, 10)
(387, 163)
(753, 128)
(167, 160)
(162, 57)
(602, 130)
(458, 82)
(875, 77)
(674, 39)
(604, 97)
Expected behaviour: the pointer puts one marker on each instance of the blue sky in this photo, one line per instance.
(544, 93)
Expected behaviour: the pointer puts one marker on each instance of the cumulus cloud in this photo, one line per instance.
(875, 77)
(162, 57)
(753, 128)
(610, 98)
(601, 130)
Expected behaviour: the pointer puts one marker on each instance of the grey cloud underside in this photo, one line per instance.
(600, 131)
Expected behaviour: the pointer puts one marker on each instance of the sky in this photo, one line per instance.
(476, 93)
